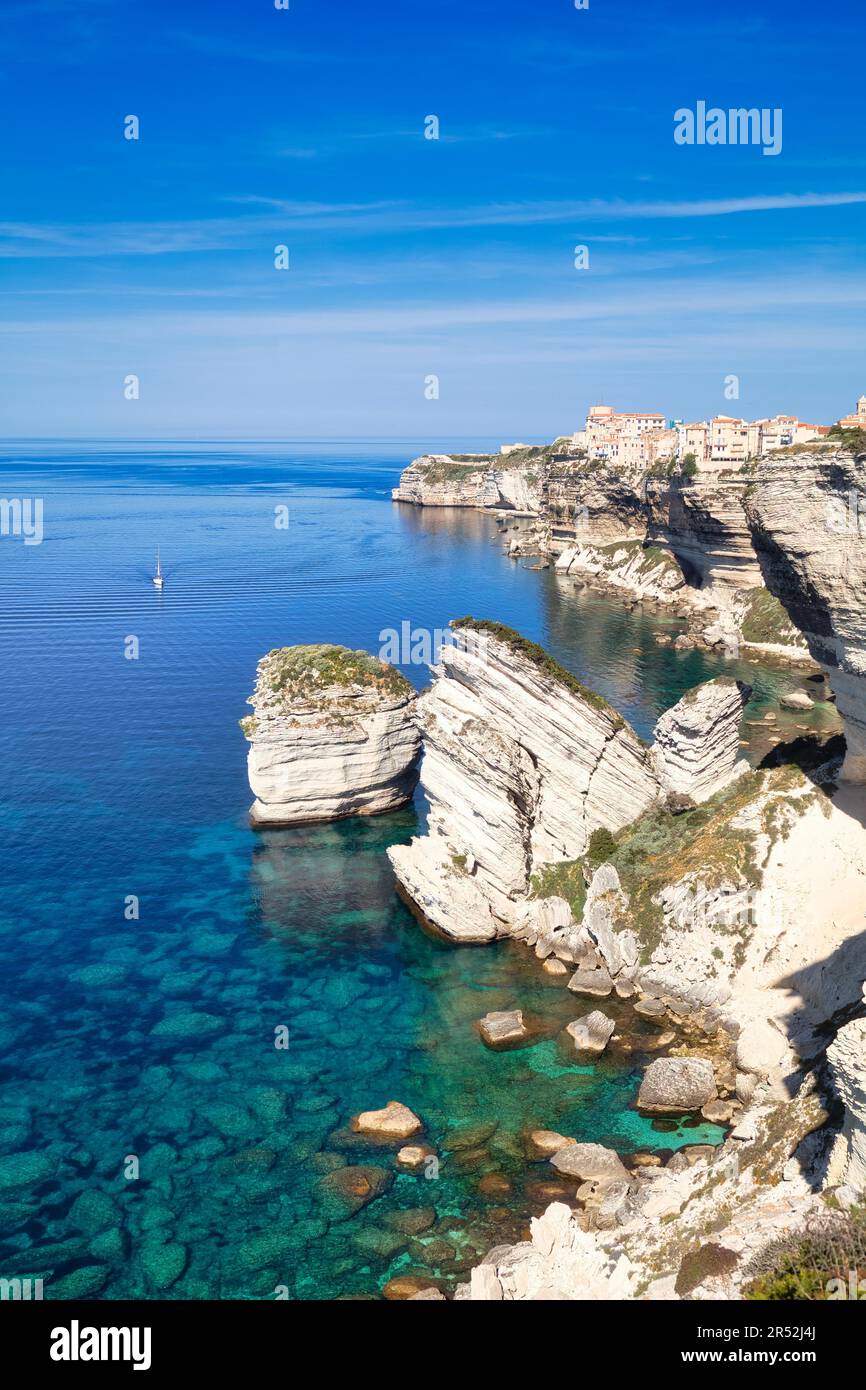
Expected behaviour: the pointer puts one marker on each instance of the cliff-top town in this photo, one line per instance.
(635, 439)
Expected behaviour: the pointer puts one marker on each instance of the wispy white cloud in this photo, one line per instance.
(670, 301)
(18, 239)
(518, 214)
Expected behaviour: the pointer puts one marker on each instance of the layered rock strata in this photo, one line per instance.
(697, 743)
(592, 1033)
(440, 480)
(521, 764)
(667, 539)
(333, 734)
(845, 1056)
(807, 514)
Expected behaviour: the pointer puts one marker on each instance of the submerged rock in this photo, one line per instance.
(404, 1286)
(553, 966)
(25, 1169)
(83, 1282)
(333, 735)
(163, 1264)
(595, 983)
(348, 1189)
(92, 1211)
(495, 1187)
(414, 1156)
(193, 1024)
(377, 1244)
(544, 1142)
(410, 1221)
(467, 1137)
(592, 1033)
(503, 1029)
(589, 1162)
(674, 1085)
(395, 1121)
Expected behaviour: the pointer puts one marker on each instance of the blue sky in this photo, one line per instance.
(412, 257)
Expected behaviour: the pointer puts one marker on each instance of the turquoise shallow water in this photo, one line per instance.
(153, 1140)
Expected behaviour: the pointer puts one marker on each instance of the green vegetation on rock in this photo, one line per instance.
(707, 1262)
(564, 880)
(460, 468)
(662, 848)
(812, 1265)
(851, 441)
(601, 846)
(837, 440)
(765, 620)
(312, 670)
(456, 470)
(653, 555)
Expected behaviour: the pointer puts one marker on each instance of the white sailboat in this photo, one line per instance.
(157, 578)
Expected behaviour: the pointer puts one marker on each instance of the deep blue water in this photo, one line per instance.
(153, 1140)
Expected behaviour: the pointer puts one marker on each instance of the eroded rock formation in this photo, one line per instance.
(333, 734)
(673, 540)
(439, 480)
(672, 1085)
(697, 742)
(848, 1073)
(807, 513)
(521, 764)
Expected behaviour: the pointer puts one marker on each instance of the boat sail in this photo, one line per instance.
(157, 578)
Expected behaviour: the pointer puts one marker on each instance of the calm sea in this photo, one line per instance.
(153, 1139)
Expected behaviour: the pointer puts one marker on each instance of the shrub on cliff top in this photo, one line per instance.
(601, 846)
(814, 1263)
(459, 469)
(708, 1262)
(306, 670)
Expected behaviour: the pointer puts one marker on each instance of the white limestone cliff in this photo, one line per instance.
(668, 541)
(847, 1164)
(697, 742)
(333, 734)
(440, 480)
(807, 513)
(559, 1262)
(521, 764)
